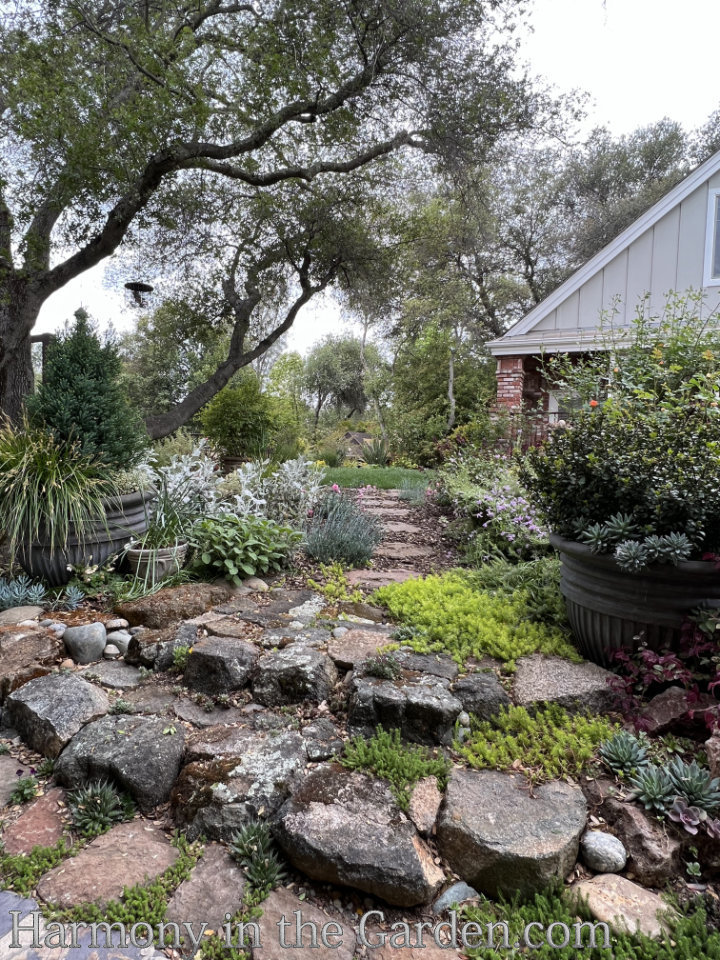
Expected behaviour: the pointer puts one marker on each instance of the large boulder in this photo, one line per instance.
(86, 642)
(25, 653)
(142, 755)
(172, 604)
(293, 675)
(574, 686)
(501, 839)
(345, 828)
(235, 775)
(49, 711)
(220, 665)
(420, 706)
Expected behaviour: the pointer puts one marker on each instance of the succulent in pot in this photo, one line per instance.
(631, 489)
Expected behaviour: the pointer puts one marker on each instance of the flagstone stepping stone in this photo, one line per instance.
(130, 853)
(25, 653)
(574, 686)
(150, 699)
(398, 512)
(374, 579)
(500, 839)
(345, 828)
(114, 674)
(141, 755)
(421, 707)
(283, 905)
(625, 906)
(392, 527)
(232, 627)
(215, 887)
(86, 642)
(41, 824)
(220, 665)
(398, 550)
(172, 604)
(355, 646)
(15, 615)
(49, 711)
(481, 694)
(205, 716)
(232, 782)
(11, 770)
(293, 675)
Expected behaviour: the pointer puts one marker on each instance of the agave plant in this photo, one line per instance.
(624, 753)
(252, 846)
(694, 784)
(653, 788)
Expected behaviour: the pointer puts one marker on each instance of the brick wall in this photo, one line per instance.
(510, 382)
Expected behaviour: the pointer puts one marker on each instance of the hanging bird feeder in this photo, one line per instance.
(138, 289)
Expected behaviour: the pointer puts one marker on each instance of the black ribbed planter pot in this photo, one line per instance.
(610, 609)
(126, 519)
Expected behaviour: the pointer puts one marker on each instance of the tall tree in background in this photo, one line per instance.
(140, 122)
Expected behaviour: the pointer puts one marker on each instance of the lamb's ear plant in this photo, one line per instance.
(48, 489)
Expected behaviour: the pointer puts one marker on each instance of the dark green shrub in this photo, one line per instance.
(237, 547)
(339, 530)
(239, 421)
(80, 399)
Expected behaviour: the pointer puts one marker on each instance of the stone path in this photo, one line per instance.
(251, 729)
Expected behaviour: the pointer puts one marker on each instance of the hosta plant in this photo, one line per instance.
(624, 753)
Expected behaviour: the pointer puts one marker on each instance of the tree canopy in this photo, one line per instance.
(232, 143)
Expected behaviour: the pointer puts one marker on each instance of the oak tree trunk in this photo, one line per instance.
(18, 314)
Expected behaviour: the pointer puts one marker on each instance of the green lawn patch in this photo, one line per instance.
(384, 478)
(451, 616)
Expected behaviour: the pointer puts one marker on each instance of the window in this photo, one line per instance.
(712, 243)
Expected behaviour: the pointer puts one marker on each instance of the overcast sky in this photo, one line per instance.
(640, 60)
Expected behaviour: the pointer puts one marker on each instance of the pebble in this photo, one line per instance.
(340, 632)
(111, 652)
(602, 852)
(296, 625)
(120, 639)
(67, 664)
(457, 893)
(46, 623)
(256, 584)
(28, 623)
(58, 628)
(134, 631)
(464, 719)
(117, 624)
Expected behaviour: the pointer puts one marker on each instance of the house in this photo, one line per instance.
(673, 246)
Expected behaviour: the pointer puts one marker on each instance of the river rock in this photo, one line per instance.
(500, 839)
(49, 711)
(345, 828)
(85, 643)
(142, 755)
(602, 852)
(625, 906)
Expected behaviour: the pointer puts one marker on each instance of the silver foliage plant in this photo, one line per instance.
(285, 495)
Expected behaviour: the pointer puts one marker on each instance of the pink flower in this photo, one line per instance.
(335, 488)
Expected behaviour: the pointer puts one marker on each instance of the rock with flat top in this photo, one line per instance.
(49, 711)
(625, 906)
(501, 839)
(15, 615)
(576, 687)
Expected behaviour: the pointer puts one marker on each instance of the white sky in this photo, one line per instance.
(640, 60)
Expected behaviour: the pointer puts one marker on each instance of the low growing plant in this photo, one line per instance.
(335, 586)
(21, 872)
(544, 745)
(237, 547)
(624, 754)
(253, 847)
(341, 531)
(23, 790)
(453, 617)
(401, 765)
(98, 806)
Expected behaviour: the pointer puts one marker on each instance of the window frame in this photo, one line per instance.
(712, 237)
